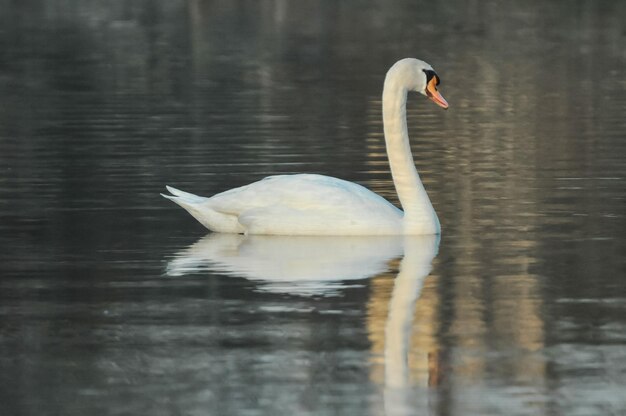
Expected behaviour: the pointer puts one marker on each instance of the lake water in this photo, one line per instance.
(114, 301)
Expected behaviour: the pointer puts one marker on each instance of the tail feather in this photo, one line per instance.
(185, 196)
(195, 205)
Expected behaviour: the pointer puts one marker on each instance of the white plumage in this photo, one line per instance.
(308, 204)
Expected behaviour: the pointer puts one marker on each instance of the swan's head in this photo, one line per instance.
(418, 76)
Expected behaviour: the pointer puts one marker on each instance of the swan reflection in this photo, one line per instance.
(295, 265)
(399, 396)
(318, 266)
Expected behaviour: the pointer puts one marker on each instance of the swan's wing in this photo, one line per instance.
(308, 204)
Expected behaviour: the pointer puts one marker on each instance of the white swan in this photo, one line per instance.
(308, 204)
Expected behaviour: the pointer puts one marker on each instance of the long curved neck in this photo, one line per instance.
(418, 211)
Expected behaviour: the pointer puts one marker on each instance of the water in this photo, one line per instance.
(114, 301)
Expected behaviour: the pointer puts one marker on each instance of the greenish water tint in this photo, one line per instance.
(113, 301)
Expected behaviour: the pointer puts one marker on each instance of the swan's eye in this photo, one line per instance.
(430, 74)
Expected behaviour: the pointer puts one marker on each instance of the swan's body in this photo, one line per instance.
(296, 205)
(321, 205)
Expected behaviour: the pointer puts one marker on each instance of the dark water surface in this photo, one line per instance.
(113, 301)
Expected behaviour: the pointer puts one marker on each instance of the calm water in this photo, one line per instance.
(113, 301)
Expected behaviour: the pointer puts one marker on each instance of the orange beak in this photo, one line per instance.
(433, 94)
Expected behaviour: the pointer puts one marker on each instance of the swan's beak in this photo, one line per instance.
(433, 94)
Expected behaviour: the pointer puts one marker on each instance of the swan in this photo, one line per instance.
(309, 204)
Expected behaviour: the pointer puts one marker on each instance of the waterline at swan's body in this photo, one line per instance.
(308, 204)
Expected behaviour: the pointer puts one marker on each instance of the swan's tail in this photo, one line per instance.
(198, 207)
(179, 196)
(189, 202)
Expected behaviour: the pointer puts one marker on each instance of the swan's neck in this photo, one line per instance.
(419, 215)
